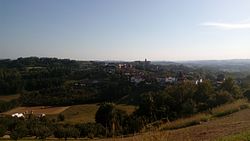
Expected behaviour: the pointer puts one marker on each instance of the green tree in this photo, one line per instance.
(223, 97)
(110, 117)
(230, 86)
(203, 94)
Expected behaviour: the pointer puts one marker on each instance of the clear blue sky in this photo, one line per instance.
(125, 29)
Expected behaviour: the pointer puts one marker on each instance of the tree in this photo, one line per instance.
(110, 117)
(230, 86)
(203, 94)
(10, 81)
(147, 107)
(223, 97)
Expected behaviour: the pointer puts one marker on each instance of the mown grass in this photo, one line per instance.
(128, 108)
(244, 136)
(80, 113)
(217, 112)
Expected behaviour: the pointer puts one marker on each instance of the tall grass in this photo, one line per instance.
(220, 111)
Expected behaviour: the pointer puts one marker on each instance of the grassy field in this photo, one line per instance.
(7, 98)
(243, 136)
(204, 117)
(73, 114)
(233, 119)
(128, 108)
(80, 113)
(229, 126)
(212, 130)
(86, 113)
(37, 110)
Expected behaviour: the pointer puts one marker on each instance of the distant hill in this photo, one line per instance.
(234, 65)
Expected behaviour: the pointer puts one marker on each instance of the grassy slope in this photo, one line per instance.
(80, 113)
(214, 128)
(204, 117)
(230, 126)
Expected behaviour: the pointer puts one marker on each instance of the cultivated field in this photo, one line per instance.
(80, 113)
(73, 114)
(37, 110)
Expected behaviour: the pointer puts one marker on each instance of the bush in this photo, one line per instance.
(247, 94)
(223, 97)
(59, 132)
(60, 117)
(111, 118)
(66, 132)
(19, 132)
(3, 129)
(225, 113)
(42, 132)
(91, 130)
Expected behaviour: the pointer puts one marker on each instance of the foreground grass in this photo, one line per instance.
(216, 125)
(244, 136)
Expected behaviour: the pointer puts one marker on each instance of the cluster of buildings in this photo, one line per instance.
(140, 71)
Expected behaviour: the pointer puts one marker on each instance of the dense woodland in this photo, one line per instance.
(60, 82)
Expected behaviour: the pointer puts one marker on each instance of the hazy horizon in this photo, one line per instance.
(159, 30)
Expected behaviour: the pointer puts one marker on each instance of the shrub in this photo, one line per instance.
(19, 132)
(3, 129)
(91, 130)
(247, 94)
(42, 132)
(223, 97)
(60, 117)
(225, 113)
